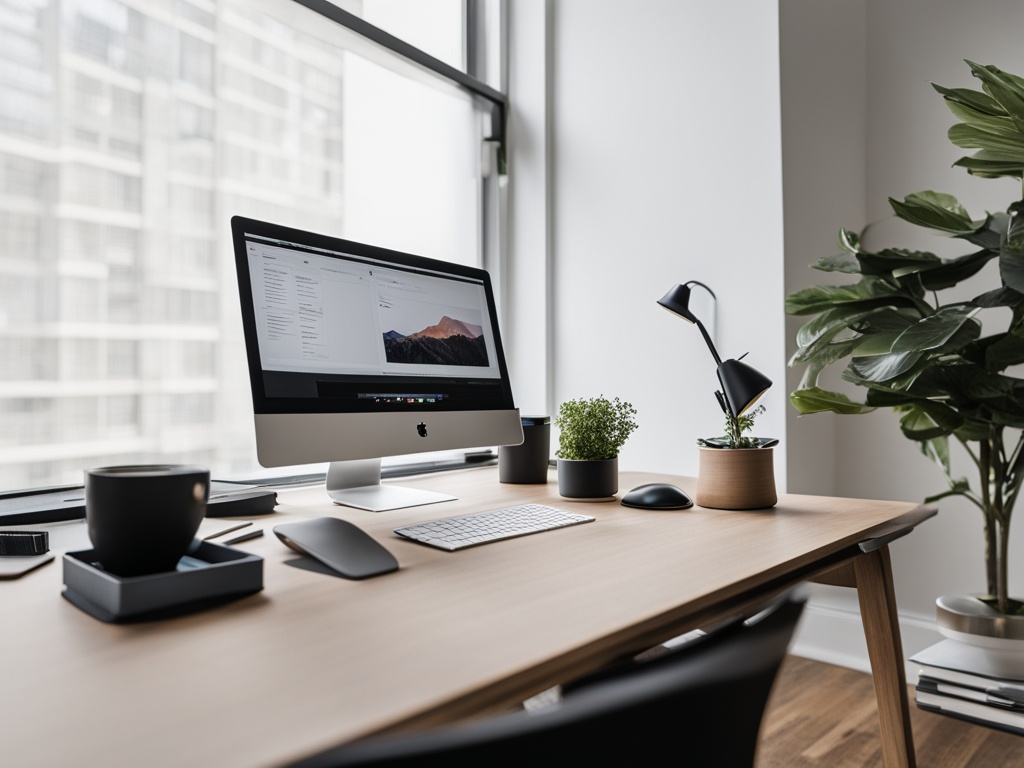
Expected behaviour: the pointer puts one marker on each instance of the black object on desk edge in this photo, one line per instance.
(217, 574)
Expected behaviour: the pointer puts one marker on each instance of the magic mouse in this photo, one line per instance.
(339, 545)
(657, 496)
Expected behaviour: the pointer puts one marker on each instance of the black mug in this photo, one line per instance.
(527, 462)
(142, 518)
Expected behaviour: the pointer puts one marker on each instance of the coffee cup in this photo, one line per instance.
(143, 518)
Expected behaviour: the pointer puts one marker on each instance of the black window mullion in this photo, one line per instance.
(418, 57)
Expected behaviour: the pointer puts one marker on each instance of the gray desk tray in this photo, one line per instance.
(209, 576)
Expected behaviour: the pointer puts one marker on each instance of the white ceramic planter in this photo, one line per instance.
(969, 620)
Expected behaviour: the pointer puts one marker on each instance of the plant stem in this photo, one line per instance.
(1002, 586)
(991, 545)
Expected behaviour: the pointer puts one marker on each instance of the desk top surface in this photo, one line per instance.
(314, 660)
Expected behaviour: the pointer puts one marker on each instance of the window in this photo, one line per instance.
(130, 134)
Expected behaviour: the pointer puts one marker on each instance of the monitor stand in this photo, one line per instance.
(357, 484)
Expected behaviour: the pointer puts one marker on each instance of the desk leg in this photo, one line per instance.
(885, 649)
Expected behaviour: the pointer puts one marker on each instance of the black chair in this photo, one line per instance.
(699, 704)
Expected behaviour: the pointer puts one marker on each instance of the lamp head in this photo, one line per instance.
(677, 300)
(742, 384)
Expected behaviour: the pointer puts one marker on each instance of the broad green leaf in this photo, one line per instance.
(911, 285)
(1000, 297)
(1004, 88)
(883, 367)
(877, 344)
(827, 324)
(867, 293)
(1008, 146)
(989, 234)
(992, 386)
(933, 331)
(989, 169)
(1011, 269)
(1007, 351)
(976, 100)
(965, 335)
(918, 425)
(841, 262)
(823, 357)
(935, 210)
(884, 320)
(953, 271)
(896, 261)
(816, 400)
(972, 430)
(887, 398)
(1009, 417)
(937, 449)
(902, 382)
(1000, 123)
(941, 414)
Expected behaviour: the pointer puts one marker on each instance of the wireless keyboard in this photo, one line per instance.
(452, 533)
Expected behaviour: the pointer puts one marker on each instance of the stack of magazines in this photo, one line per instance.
(982, 685)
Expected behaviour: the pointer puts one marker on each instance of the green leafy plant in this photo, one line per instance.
(926, 358)
(593, 428)
(735, 426)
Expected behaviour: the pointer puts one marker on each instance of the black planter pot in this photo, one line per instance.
(582, 479)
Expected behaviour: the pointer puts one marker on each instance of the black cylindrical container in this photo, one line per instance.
(527, 462)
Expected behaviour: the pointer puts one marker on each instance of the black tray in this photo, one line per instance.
(210, 576)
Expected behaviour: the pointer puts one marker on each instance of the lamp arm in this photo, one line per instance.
(703, 330)
(707, 338)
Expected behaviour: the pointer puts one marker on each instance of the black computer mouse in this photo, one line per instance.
(657, 496)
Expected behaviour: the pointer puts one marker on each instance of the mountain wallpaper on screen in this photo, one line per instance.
(449, 342)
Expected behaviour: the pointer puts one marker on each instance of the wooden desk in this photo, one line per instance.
(313, 660)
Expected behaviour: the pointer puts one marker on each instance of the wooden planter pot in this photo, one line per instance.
(736, 478)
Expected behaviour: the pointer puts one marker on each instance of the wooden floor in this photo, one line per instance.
(821, 715)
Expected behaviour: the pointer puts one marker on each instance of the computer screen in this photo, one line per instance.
(357, 352)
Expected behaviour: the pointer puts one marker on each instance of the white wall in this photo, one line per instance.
(861, 123)
(647, 151)
(665, 167)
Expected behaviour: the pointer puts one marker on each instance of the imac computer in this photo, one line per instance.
(357, 352)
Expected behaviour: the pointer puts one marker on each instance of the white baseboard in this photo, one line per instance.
(835, 635)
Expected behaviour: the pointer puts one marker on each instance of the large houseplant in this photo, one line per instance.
(591, 432)
(924, 355)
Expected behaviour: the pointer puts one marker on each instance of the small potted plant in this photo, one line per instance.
(591, 432)
(737, 471)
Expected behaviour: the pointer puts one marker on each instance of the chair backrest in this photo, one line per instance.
(700, 704)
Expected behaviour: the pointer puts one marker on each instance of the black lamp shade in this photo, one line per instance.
(678, 300)
(742, 385)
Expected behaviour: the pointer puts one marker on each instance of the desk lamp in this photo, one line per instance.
(741, 384)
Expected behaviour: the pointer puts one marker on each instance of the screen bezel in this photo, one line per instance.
(264, 404)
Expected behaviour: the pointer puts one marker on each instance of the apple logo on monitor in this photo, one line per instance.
(421, 428)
